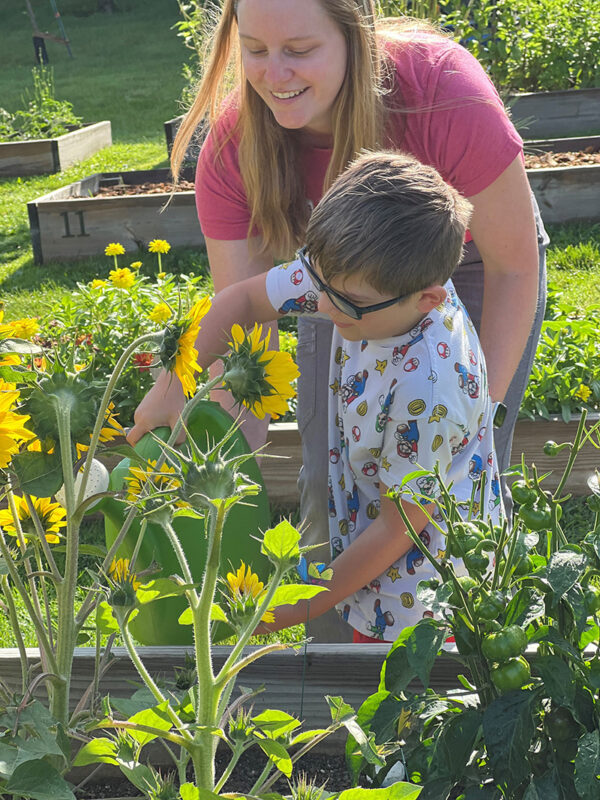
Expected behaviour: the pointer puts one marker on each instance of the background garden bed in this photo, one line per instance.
(546, 115)
(75, 221)
(43, 156)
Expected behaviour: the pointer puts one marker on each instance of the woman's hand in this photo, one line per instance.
(161, 406)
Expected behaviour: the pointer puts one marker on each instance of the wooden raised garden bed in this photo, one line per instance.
(567, 185)
(544, 115)
(77, 220)
(281, 475)
(42, 156)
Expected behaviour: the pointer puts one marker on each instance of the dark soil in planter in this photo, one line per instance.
(577, 158)
(121, 190)
(320, 768)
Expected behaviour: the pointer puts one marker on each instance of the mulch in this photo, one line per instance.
(570, 159)
(532, 161)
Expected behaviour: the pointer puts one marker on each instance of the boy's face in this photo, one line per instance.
(388, 322)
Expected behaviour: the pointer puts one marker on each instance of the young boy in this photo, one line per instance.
(408, 387)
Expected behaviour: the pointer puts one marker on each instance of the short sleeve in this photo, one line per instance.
(290, 289)
(221, 199)
(463, 129)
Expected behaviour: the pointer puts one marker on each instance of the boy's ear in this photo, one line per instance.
(430, 297)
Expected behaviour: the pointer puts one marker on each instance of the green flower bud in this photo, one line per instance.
(213, 480)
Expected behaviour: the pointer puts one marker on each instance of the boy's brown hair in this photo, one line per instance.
(391, 220)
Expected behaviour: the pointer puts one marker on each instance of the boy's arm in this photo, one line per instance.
(243, 303)
(382, 543)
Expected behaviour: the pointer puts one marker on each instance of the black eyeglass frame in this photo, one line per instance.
(342, 303)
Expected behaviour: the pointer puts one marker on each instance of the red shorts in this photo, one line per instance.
(361, 638)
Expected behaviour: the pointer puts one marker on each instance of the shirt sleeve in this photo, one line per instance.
(290, 289)
(221, 200)
(473, 139)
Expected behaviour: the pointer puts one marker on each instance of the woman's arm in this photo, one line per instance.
(503, 228)
(230, 263)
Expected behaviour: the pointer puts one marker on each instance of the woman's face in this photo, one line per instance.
(294, 57)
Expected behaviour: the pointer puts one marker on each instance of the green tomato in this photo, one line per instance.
(536, 518)
(476, 562)
(467, 584)
(490, 606)
(510, 675)
(464, 538)
(523, 494)
(505, 644)
(560, 725)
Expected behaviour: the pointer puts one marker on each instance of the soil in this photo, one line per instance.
(571, 159)
(532, 161)
(320, 768)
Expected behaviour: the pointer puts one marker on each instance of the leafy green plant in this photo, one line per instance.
(104, 316)
(190, 30)
(42, 115)
(55, 410)
(565, 377)
(523, 727)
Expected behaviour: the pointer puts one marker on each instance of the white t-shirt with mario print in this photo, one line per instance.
(396, 406)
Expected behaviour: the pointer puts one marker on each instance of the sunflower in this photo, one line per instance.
(139, 480)
(51, 515)
(12, 425)
(257, 377)
(112, 429)
(124, 584)
(247, 590)
(178, 353)
(122, 278)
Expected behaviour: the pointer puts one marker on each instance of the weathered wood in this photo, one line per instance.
(567, 194)
(545, 115)
(569, 145)
(42, 156)
(193, 149)
(65, 225)
(280, 476)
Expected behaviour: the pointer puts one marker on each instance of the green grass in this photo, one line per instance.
(126, 67)
(574, 262)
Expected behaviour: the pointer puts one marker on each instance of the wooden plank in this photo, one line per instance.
(569, 145)
(567, 194)
(26, 158)
(83, 143)
(545, 115)
(43, 156)
(281, 476)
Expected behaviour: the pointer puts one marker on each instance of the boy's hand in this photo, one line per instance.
(160, 407)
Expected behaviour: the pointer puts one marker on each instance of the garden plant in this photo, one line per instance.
(522, 728)
(41, 116)
(55, 412)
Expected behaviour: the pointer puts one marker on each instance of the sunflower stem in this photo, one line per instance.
(104, 403)
(14, 622)
(42, 536)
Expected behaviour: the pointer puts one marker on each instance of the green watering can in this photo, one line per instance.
(156, 623)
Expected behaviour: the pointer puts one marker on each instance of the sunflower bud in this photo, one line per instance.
(124, 584)
(213, 480)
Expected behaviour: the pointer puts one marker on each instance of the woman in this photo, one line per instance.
(317, 81)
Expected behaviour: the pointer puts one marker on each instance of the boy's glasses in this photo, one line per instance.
(338, 300)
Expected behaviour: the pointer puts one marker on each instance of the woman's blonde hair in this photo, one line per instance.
(268, 153)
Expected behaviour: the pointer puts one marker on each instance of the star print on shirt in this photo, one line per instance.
(441, 554)
(393, 574)
(385, 464)
(381, 365)
(335, 387)
(344, 358)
